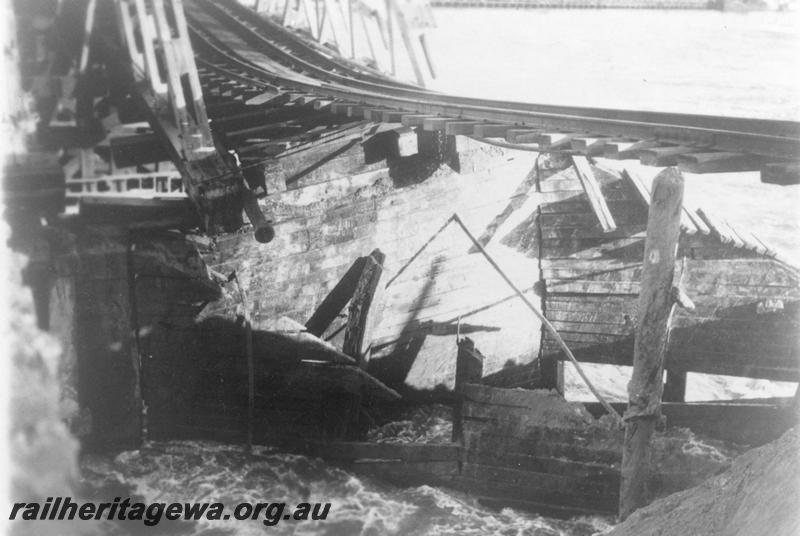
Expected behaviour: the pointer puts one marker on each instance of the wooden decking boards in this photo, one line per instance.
(592, 284)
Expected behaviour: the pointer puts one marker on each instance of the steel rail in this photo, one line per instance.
(323, 57)
(770, 138)
(766, 126)
(322, 65)
(384, 86)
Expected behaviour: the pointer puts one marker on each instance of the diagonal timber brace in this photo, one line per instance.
(163, 77)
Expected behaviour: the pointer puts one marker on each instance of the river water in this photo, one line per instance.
(702, 62)
(742, 64)
(181, 471)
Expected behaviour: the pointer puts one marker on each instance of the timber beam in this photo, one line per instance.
(366, 308)
(652, 331)
(594, 192)
(783, 173)
(415, 120)
(176, 112)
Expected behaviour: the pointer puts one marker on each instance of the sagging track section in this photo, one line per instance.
(269, 61)
(301, 67)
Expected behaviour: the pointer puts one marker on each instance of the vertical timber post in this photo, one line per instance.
(367, 38)
(390, 31)
(88, 27)
(469, 368)
(285, 13)
(318, 20)
(675, 387)
(551, 372)
(351, 28)
(655, 305)
(405, 32)
(551, 368)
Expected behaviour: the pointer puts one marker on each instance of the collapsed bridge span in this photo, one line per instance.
(352, 293)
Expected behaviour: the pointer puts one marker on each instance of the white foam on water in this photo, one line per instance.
(197, 471)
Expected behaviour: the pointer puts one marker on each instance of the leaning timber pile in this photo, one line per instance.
(238, 235)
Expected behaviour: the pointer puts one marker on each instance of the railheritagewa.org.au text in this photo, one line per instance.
(64, 508)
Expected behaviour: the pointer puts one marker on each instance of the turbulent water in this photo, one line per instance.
(209, 472)
(197, 471)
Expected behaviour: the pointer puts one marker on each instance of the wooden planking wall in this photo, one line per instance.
(530, 446)
(747, 305)
(106, 366)
(321, 228)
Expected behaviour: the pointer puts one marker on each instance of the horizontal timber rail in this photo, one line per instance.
(302, 68)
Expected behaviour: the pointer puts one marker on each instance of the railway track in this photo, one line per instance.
(280, 61)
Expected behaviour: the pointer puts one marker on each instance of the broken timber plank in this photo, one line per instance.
(687, 221)
(761, 247)
(340, 376)
(733, 235)
(365, 309)
(723, 231)
(336, 299)
(594, 193)
(291, 340)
